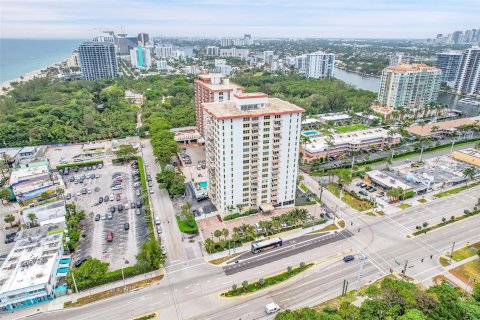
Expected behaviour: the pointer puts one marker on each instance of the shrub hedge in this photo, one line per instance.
(79, 164)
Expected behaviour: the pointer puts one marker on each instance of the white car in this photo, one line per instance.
(164, 250)
(157, 220)
(151, 191)
(112, 197)
(126, 206)
(119, 187)
(89, 191)
(272, 308)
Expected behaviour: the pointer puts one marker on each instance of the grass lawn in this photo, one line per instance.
(330, 227)
(466, 252)
(185, 228)
(147, 316)
(456, 190)
(404, 206)
(222, 260)
(303, 187)
(270, 281)
(444, 261)
(360, 205)
(422, 200)
(353, 127)
(466, 271)
(112, 292)
(341, 223)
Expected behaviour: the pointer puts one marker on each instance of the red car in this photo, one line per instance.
(109, 236)
(119, 197)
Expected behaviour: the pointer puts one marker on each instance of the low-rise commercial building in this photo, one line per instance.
(29, 181)
(321, 146)
(310, 123)
(135, 98)
(45, 214)
(337, 118)
(386, 181)
(438, 129)
(470, 156)
(93, 150)
(34, 270)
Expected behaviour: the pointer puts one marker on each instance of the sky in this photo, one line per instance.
(81, 19)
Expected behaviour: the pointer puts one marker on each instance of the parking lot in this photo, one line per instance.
(106, 235)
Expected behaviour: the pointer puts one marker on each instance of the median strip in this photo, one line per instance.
(262, 283)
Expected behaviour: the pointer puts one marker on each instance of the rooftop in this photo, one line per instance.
(310, 121)
(229, 110)
(334, 116)
(319, 144)
(415, 67)
(31, 260)
(387, 180)
(426, 130)
(24, 172)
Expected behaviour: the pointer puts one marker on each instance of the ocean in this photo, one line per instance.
(18, 56)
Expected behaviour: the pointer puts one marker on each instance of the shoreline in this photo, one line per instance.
(6, 86)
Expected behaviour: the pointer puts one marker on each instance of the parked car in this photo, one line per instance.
(117, 187)
(109, 236)
(272, 308)
(92, 176)
(126, 226)
(137, 211)
(72, 179)
(104, 216)
(100, 199)
(363, 193)
(80, 261)
(159, 229)
(109, 216)
(112, 209)
(97, 175)
(138, 192)
(105, 199)
(84, 191)
(157, 220)
(100, 166)
(112, 197)
(89, 191)
(151, 190)
(132, 205)
(138, 203)
(97, 217)
(163, 249)
(120, 207)
(126, 206)
(329, 215)
(118, 197)
(68, 196)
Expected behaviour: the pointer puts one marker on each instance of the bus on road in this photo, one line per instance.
(266, 244)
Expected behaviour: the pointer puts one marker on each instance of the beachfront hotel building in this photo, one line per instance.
(468, 76)
(212, 87)
(409, 86)
(98, 60)
(251, 145)
(321, 147)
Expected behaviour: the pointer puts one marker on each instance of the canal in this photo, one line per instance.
(371, 83)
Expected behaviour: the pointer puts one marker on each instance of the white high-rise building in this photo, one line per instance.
(468, 76)
(226, 42)
(163, 52)
(141, 57)
(252, 148)
(268, 57)
(319, 65)
(300, 63)
(223, 69)
(398, 58)
(448, 62)
(98, 60)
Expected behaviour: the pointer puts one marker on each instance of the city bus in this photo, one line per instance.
(266, 244)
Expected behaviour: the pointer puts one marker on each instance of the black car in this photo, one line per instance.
(132, 205)
(105, 199)
(72, 179)
(138, 203)
(76, 169)
(120, 207)
(363, 193)
(92, 176)
(100, 199)
(126, 226)
(112, 209)
(79, 262)
(97, 217)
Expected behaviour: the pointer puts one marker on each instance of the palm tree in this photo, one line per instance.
(217, 234)
(469, 174)
(9, 218)
(304, 140)
(32, 217)
(209, 245)
(329, 141)
(239, 208)
(225, 233)
(3, 167)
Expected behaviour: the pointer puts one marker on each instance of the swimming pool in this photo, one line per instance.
(62, 270)
(310, 133)
(203, 184)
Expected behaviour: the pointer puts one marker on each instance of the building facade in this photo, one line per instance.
(251, 145)
(398, 58)
(163, 51)
(448, 62)
(409, 86)
(268, 57)
(319, 65)
(212, 51)
(98, 60)
(32, 271)
(212, 88)
(140, 57)
(468, 76)
(321, 147)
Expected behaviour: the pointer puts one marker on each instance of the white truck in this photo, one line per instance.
(272, 308)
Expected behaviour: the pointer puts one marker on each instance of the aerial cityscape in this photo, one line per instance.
(240, 160)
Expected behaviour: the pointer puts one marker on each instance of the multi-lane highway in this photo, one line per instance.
(191, 288)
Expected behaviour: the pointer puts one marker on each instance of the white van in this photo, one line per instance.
(272, 308)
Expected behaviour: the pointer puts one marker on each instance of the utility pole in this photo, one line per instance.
(74, 282)
(453, 142)
(405, 268)
(451, 252)
(363, 259)
(421, 154)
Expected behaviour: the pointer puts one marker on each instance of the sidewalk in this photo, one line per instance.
(57, 304)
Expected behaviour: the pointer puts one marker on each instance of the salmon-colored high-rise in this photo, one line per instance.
(212, 88)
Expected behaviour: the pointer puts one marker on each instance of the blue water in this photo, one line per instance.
(203, 184)
(63, 261)
(310, 133)
(18, 56)
(62, 270)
